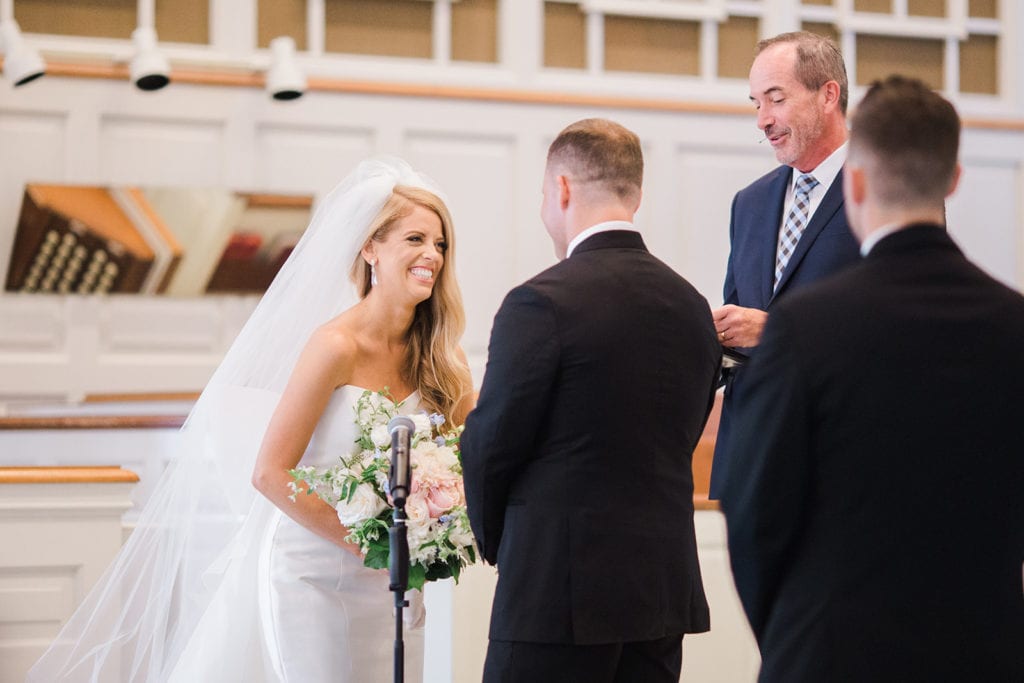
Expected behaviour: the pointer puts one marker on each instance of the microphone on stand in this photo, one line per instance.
(401, 429)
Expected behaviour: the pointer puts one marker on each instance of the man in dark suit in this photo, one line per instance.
(577, 458)
(878, 532)
(782, 236)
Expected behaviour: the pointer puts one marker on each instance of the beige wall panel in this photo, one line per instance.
(475, 31)
(93, 18)
(281, 18)
(926, 8)
(884, 6)
(183, 21)
(880, 56)
(565, 36)
(979, 65)
(737, 39)
(651, 45)
(984, 9)
(397, 28)
(827, 30)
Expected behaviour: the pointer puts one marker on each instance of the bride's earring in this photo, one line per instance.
(373, 273)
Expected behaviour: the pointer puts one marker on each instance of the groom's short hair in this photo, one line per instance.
(908, 136)
(601, 152)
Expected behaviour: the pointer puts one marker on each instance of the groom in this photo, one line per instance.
(600, 375)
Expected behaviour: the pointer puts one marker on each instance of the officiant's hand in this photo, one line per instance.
(739, 327)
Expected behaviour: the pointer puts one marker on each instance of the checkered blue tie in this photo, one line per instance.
(795, 223)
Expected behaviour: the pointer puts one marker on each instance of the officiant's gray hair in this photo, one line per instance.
(600, 151)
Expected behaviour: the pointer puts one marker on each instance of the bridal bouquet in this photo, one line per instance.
(440, 540)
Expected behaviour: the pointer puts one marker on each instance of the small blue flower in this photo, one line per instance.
(444, 519)
(440, 441)
(437, 419)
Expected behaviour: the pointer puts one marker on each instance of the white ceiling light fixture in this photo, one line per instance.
(285, 81)
(22, 63)
(149, 67)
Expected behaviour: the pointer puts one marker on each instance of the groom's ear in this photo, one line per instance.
(564, 191)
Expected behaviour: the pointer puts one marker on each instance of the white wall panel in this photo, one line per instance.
(477, 175)
(151, 151)
(706, 180)
(308, 159)
(984, 215)
(33, 145)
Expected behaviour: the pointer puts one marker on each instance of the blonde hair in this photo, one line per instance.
(432, 364)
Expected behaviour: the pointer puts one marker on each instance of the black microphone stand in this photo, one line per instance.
(399, 567)
(398, 541)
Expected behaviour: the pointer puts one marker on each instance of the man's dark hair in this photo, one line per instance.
(602, 152)
(908, 136)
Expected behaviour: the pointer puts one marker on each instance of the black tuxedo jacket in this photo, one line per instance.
(878, 531)
(826, 247)
(577, 457)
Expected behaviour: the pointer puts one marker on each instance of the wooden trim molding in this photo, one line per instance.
(256, 79)
(94, 422)
(701, 502)
(67, 475)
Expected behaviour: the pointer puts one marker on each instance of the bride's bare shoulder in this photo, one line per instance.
(334, 347)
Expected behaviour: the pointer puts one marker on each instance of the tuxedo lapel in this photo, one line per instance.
(831, 203)
(775, 199)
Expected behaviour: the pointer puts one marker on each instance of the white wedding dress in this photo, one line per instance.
(319, 614)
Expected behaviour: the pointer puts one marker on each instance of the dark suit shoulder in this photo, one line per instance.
(764, 183)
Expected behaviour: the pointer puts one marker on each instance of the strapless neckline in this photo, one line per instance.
(415, 392)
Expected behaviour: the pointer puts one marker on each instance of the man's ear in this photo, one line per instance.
(857, 188)
(957, 174)
(564, 191)
(832, 91)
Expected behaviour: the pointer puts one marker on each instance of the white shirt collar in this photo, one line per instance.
(594, 229)
(877, 236)
(826, 171)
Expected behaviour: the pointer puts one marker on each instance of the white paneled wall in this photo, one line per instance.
(487, 156)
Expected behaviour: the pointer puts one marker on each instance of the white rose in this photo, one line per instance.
(364, 504)
(461, 535)
(423, 427)
(380, 437)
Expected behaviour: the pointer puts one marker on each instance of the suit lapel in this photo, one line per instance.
(831, 203)
(774, 203)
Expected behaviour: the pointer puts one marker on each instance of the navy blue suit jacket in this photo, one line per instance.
(826, 246)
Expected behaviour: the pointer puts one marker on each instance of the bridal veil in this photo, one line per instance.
(186, 580)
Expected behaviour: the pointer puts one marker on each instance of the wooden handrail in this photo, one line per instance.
(94, 422)
(255, 79)
(67, 475)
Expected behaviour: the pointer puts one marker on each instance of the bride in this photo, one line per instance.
(217, 583)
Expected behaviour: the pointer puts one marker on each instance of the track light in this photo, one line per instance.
(149, 68)
(22, 63)
(284, 80)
